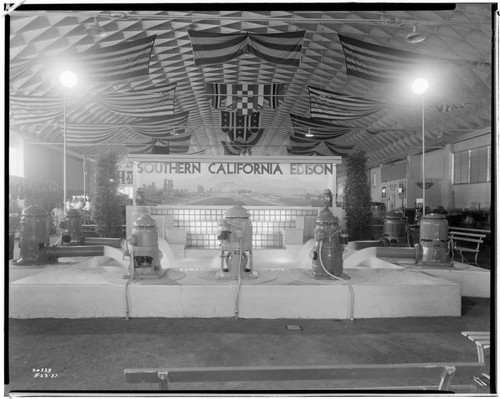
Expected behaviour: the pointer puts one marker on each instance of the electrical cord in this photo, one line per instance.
(236, 308)
(351, 289)
(132, 269)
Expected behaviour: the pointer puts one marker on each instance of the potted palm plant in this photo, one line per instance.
(106, 205)
(357, 197)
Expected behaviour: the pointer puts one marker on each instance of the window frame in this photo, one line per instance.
(472, 171)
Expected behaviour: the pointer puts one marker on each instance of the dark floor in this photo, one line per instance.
(91, 354)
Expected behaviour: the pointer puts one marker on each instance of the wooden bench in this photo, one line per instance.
(464, 236)
(441, 374)
(482, 341)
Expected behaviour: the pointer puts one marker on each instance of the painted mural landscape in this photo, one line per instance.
(243, 190)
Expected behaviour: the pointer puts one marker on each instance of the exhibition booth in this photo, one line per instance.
(237, 237)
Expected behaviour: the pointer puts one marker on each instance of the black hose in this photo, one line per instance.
(70, 251)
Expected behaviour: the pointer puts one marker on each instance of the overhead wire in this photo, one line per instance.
(295, 18)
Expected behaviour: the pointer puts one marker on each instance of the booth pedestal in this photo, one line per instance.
(96, 287)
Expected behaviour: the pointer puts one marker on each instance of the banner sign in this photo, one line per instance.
(234, 168)
(241, 181)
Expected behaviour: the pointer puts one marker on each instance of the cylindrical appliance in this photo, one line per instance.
(145, 256)
(327, 250)
(395, 229)
(139, 211)
(235, 234)
(72, 233)
(435, 241)
(34, 234)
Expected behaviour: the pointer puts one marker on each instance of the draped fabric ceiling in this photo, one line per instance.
(192, 83)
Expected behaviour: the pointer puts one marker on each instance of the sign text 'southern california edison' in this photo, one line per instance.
(235, 168)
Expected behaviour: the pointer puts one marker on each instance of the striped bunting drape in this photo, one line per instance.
(316, 147)
(161, 127)
(38, 109)
(320, 143)
(171, 128)
(448, 107)
(215, 48)
(278, 48)
(126, 60)
(91, 134)
(320, 129)
(310, 146)
(158, 147)
(326, 104)
(245, 98)
(151, 101)
(381, 64)
(140, 148)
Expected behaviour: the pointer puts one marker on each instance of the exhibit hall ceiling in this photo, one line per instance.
(240, 80)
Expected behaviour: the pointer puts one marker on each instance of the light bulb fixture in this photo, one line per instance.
(94, 29)
(415, 37)
(419, 86)
(68, 79)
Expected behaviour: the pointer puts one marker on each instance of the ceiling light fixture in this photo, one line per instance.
(414, 36)
(391, 21)
(94, 29)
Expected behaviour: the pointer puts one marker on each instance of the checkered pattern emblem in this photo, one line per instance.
(246, 102)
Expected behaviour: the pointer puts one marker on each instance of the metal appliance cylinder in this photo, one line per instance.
(34, 234)
(399, 252)
(235, 234)
(394, 229)
(145, 256)
(139, 211)
(72, 228)
(435, 241)
(327, 250)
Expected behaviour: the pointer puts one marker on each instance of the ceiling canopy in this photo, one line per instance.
(263, 82)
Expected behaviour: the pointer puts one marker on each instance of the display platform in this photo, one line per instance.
(188, 287)
(474, 281)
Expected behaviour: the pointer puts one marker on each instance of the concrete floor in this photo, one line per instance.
(91, 354)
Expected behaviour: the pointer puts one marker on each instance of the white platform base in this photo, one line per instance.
(95, 287)
(474, 281)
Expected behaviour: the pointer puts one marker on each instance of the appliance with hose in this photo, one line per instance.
(327, 251)
(436, 246)
(235, 235)
(35, 238)
(327, 261)
(145, 255)
(72, 231)
(34, 230)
